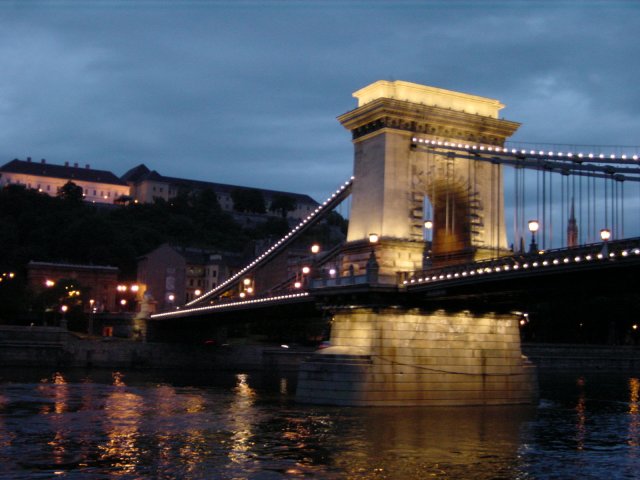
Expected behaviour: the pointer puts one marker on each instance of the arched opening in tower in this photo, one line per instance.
(451, 229)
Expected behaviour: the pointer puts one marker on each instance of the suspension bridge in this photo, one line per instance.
(454, 235)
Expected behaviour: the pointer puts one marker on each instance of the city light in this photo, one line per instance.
(513, 151)
(276, 246)
(510, 264)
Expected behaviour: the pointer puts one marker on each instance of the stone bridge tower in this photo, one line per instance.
(393, 177)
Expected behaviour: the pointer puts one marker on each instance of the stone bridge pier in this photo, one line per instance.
(393, 355)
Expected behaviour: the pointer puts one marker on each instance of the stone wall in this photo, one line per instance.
(399, 357)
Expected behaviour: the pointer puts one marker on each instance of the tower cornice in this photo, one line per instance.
(388, 113)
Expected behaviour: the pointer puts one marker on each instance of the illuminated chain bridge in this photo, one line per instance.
(453, 233)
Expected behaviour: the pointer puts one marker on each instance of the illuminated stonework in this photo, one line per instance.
(393, 179)
(403, 357)
(425, 95)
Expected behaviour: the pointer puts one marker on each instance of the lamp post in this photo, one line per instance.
(92, 303)
(372, 268)
(428, 239)
(605, 235)
(428, 226)
(534, 226)
(63, 320)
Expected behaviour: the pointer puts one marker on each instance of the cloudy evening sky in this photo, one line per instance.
(247, 92)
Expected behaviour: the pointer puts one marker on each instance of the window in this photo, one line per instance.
(94, 193)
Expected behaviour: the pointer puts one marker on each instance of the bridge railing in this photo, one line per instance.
(559, 256)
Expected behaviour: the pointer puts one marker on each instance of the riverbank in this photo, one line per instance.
(55, 347)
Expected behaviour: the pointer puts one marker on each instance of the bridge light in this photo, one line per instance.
(605, 235)
(534, 226)
(306, 270)
(315, 248)
(297, 285)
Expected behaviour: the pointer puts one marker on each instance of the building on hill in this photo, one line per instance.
(147, 185)
(100, 281)
(142, 185)
(176, 275)
(98, 186)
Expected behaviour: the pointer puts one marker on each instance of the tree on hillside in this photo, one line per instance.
(70, 192)
(282, 203)
(248, 200)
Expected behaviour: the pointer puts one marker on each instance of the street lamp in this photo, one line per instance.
(373, 238)
(92, 302)
(315, 248)
(605, 235)
(534, 226)
(63, 321)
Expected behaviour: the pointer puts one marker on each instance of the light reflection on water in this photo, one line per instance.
(132, 426)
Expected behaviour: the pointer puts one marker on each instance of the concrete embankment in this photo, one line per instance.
(55, 347)
(580, 357)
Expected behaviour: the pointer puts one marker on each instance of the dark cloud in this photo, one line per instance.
(247, 92)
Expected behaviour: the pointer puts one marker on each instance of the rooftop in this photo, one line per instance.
(67, 172)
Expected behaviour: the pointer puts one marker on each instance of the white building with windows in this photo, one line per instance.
(98, 186)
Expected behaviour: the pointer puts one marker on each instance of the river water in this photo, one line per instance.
(126, 425)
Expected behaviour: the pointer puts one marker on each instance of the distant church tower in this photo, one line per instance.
(572, 228)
